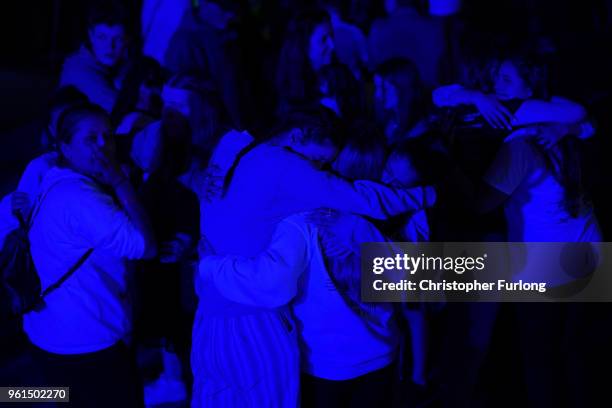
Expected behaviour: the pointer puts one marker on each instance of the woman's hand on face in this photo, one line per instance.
(496, 114)
(108, 170)
(205, 248)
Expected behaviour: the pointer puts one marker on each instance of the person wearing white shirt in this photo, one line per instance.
(345, 358)
(87, 204)
(537, 178)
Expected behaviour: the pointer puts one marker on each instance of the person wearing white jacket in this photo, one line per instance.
(87, 206)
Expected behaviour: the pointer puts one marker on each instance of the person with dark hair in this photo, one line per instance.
(89, 221)
(96, 69)
(207, 42)
(268, 182)
(538, 180)
(139, 101)
(192, 107)
(62, 98)
(400, 100)
(351, 43)
(341, 92)
(407, 33)
(520, 96)
(308, 47)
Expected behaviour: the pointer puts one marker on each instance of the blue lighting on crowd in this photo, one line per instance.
(188, 184)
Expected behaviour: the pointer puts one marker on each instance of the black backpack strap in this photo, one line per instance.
(70, 271)
(68, 274)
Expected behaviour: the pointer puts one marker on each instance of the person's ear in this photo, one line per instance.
(64, 150)
(296, 135)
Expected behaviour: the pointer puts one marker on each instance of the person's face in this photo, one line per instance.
(386, 93)
(321, 46)
(92, 138)
(399, 172)
(108, 43)
(320, 153)
(509, 84)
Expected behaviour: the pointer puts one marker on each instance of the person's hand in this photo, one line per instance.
(496, 114)
(20, 203)
(545, 134)
(549, 134)
(108, 170)
(176, 249)
(205, 248)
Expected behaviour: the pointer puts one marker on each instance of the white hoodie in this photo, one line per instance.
(90, 310)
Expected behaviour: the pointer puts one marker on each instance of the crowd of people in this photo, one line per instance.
(210, 199)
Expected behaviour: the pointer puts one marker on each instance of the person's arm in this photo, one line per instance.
(111, 174)
(269, 279)
(311, 188)
(453, 95)
(557, 110)
(489, 106)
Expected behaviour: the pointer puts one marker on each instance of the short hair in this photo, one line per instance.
(110, 13)
(319, 124)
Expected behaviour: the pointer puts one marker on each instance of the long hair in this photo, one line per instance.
(404, 76)
(532, 70)
(295, 77)
(363, 156)
(342, 85)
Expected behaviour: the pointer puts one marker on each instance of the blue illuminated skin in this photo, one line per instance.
(90, 148)
(108, 44)
(321, 48)
(509, 84)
